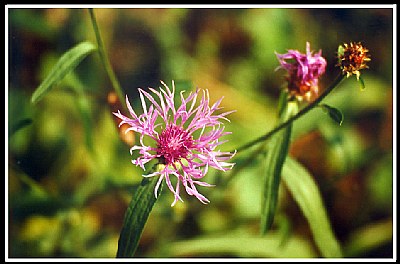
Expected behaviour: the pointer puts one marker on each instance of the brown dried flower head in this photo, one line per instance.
(353, 58)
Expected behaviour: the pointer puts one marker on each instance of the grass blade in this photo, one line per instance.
(368, 238)
(306, 193)
(277, 151)
(136, 217)
(236, 244)
(67, 62)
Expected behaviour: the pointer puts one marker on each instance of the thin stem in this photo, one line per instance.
(302, 112)
(104, 58)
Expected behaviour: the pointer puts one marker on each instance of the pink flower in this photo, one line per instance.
(303, 72)
(183, 139)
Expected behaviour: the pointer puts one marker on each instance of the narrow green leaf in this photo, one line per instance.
(333, 113)
(362, 84)
(277, 151)
(68, 61)
(136, 217)
(306, 193)
(284, 229)
(241, 245)
(368, 238)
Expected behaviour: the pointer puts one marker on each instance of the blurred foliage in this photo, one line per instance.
(69, 176)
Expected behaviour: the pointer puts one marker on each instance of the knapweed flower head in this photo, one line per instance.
(183, 139)
(352, 58)
(304, 71)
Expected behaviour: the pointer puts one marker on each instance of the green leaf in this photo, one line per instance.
(284, 229)
(362, 84)
(333, 113)
(277, 151)
(68, 61)
(241, 245)
(369, 237)
(306, 193)
(136, 217)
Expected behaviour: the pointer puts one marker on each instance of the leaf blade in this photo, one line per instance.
(67, 62)
(277, 152)
(136, 217)
(362, 84)
(276, 155)
(333, 113)
(241, 245)
(306, 193)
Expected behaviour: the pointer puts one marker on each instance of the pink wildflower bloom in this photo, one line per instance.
(184, 138)
(304, 71)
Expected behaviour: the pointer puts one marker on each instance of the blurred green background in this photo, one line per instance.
(70, 177)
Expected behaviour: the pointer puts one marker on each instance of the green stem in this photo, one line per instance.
(104, 58)
(302, 112)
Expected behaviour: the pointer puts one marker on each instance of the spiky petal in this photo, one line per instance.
(304, 71)
(185, 138)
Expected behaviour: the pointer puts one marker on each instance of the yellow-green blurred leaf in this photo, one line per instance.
(306, 193)
(242, 245)
(369, 237)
